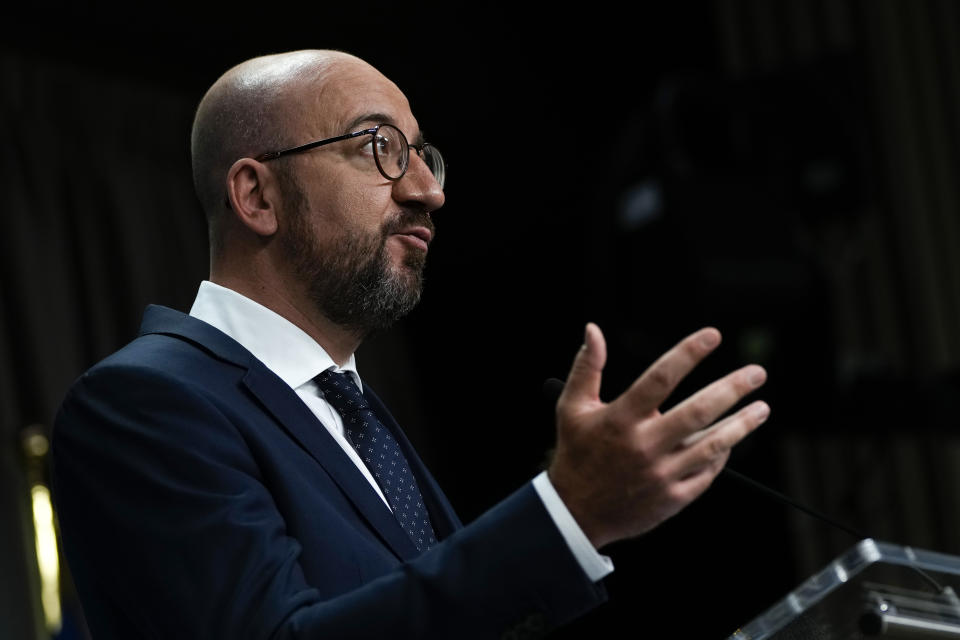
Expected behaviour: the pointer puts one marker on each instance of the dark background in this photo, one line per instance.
(784, 171)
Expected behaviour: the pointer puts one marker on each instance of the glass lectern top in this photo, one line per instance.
(873, 589)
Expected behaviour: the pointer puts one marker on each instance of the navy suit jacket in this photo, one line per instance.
(199, 497)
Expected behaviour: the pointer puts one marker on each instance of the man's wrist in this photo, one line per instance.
(594, 564)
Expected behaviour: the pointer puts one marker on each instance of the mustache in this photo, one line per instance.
(409, 218)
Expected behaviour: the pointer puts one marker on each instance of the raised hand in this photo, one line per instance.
(624, 467)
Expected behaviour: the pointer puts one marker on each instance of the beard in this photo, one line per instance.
(351, 279)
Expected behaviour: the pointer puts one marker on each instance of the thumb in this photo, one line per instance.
(583, 383)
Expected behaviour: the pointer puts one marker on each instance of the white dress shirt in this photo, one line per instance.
(296, 359)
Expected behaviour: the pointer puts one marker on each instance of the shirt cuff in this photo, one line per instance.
(595, 565)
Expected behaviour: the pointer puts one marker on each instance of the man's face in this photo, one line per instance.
(356, 241)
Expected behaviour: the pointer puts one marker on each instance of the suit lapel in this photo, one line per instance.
(300, 423)
(289, 411)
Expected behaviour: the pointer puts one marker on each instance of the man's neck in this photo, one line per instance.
(339, 343)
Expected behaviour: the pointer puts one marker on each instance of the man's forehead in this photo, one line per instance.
(354, 93)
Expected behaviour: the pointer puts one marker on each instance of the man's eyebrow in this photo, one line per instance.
(377, 118)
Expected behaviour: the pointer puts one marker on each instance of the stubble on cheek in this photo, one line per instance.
(353, 279)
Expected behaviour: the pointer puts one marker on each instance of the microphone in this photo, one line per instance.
(552, 388)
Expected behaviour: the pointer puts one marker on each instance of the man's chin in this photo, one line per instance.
(410, 279)
(407, 265)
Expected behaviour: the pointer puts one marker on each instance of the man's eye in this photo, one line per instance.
(382, 142)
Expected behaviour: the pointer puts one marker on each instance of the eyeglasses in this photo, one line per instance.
(391, 152)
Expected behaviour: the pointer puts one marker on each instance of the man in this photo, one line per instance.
(227, 474)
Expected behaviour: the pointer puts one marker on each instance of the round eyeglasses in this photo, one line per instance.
(391, 152)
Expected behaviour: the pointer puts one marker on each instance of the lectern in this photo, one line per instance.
(875, 589)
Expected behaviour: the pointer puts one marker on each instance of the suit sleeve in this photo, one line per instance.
(171, 532)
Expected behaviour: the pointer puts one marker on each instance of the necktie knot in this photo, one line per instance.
(341, 392)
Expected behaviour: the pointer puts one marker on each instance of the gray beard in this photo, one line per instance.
(354, 285)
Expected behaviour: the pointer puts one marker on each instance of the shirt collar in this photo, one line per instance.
(278, 343)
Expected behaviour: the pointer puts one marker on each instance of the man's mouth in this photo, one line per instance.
(418, 236)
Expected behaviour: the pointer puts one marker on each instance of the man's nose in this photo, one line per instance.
(419, 185)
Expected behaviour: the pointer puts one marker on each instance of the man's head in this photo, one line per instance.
(325, 226)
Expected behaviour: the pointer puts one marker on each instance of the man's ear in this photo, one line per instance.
(252, 196)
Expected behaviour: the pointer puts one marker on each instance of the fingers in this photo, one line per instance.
(583, 383)
(697, 465)
(702, 408)
(692, 486)
(651, 389)
(708, 450)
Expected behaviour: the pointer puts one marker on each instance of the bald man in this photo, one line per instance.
(229, 475)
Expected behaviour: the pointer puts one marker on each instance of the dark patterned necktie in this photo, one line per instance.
(380, 452)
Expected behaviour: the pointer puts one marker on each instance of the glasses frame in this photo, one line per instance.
(373, 131)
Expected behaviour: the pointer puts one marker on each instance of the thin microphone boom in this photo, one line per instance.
(776, 495)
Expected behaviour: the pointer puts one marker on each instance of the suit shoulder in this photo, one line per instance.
(152, 363)
(161, 355)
